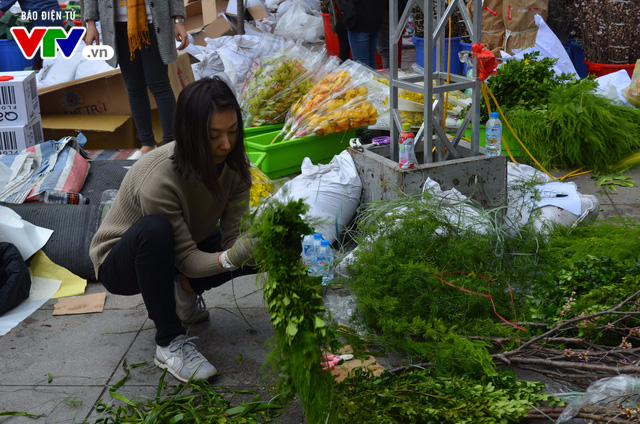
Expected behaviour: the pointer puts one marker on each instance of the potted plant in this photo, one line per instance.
(609, 34)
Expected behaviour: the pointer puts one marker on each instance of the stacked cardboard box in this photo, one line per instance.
(20, 121)
(98, 106)
(510, 24)
(217, 18)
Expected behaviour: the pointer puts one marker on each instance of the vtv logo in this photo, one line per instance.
(54, 39)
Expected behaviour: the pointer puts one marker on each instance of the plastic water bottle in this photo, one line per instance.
(317, 240)
(493, 146)
(324, 260)
(406, 147)
(108, 196)
(62, 197)
(308, 256)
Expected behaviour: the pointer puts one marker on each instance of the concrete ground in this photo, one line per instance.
(59, 367)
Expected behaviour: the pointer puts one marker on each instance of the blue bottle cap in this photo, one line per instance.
(324, 243)
(317, 236)
(495, 115)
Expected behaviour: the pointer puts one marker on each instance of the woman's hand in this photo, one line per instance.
(181, 36)
(92, 33)
(242, 250)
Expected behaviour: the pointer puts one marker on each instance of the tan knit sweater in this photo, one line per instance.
(152, 187)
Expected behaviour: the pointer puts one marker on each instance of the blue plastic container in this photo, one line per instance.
(11, 58)
(456, 65)
(576, 53)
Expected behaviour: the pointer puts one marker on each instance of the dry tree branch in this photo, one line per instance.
(613, 311)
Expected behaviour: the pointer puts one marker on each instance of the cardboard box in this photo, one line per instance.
(224, 24)
(105, 93)
(16, 138)
(203, 12)
(102, 132)
(19, 103)
(221, 26)
(98, 106)
(254, 10)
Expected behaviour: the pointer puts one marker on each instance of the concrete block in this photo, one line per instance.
(482, 178)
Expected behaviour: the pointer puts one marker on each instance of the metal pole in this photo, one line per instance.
(241, 10)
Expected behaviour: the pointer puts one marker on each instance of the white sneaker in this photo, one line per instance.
(190, 307)
(182, 359)
(135, 155)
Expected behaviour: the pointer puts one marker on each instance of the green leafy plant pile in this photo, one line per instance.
(600, 268)
(188, 403)
(417, 397)
(296, 308)
(525, 83)
(576, 128)
(618, 239)
(408, 251)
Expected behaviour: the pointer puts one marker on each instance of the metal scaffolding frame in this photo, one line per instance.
(434, 35)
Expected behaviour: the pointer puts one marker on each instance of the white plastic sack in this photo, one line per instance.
(267, 25)
(611, 85)
(548, 44)
(273, 4)
(297, 24)
(87, 68)
(60, 69)
(241, 50)
(214, 64)
(332, 192)
(210, 64)
(533, 198)
(457, 208)
(193, 49)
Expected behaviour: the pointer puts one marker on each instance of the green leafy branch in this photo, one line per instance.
(296, 308)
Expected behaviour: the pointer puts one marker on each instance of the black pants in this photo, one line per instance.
(343, 41)
(142, 261)
(146, 70)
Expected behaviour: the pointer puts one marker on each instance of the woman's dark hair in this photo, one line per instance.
(192, 158)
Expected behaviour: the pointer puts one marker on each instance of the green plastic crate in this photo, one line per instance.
(253, 131)
(256, 158)
(285, 157)
(516, 148)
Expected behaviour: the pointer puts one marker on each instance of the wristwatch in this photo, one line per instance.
(178, 21)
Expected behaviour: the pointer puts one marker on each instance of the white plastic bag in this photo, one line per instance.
(88, 68)
(548, 44)
(611, 86)
(621, 388)
(332, 192)
(60, 69)
(296, 24)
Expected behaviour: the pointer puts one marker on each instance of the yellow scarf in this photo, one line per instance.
(137, 26)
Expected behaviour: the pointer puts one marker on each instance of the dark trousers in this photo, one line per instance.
(142, 261)
(146, 70)
(343, 41)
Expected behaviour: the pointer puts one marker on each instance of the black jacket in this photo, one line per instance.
(15, 281)
(363, 15)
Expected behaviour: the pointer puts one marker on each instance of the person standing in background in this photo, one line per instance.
(383, 37)
(142, 34)
(37, 7)
(337, 26)
(363, 20)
